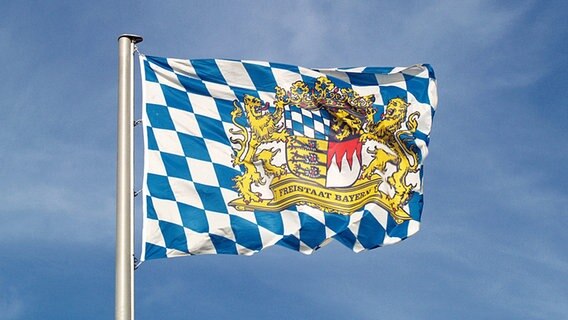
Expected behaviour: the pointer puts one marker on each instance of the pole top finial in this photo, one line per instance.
(133, 37)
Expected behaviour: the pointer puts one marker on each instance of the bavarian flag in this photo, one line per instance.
(243, 155)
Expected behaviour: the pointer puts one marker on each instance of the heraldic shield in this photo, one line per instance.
(325, 147)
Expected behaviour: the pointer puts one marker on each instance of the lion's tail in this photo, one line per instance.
(236, 113)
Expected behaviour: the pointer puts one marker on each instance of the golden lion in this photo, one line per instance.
(263, 127)
(389, 132)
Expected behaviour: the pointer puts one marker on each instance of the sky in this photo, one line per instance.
(493, 240)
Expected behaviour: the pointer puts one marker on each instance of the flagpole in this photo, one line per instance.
(124, 285)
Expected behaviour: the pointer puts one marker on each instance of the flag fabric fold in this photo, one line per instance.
(243, 155)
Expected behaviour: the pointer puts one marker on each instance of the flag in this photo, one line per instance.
(243, 155)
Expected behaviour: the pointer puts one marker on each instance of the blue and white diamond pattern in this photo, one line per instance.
(188, 167)
(311, 124)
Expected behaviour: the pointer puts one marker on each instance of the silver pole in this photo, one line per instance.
(124, 286)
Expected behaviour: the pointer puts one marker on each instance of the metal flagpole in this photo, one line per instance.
(124, 285)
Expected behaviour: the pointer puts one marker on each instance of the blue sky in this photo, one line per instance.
(493, 238)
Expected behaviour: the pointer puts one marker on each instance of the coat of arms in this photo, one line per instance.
(325, 147)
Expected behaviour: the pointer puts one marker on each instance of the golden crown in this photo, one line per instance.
(325, 94)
